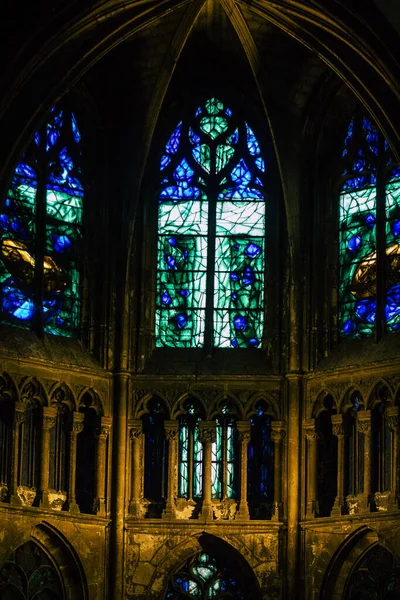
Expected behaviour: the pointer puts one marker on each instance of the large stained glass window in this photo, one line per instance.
(211, 230)
(41, 229)
(204, 578)
(369, 230)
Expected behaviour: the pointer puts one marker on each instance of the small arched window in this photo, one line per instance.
(86, 454)
(29, 574)
(369, 230)
(155, 455)
(326, 459)
(204, 577)
(60, 445)
(211, 230)
(190, 476)
(224, 454)
(354, 448)
(41, 229)
(260, 461)
(381, 456)
(30, 436)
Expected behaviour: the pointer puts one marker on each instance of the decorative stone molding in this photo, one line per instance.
(309, 430)
(353, 505)
(26, 494)
(184, 508)
(135, 429)
(171, 429)
(207, 431)
(364, 426)
(56, 499)
(338, 428)
(382, 500)
(392, 417)
(225, 510)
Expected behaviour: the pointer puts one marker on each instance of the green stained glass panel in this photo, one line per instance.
(197, 464)
(224, 155)
(357, 261)
(190, 218)
(183, 461)
(201, 154)
(238, 218)
(392, 306)
(64, 207)
(216, 464)
(214, 125)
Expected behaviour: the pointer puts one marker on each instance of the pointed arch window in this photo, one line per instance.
(369, 230)
(204, 577)
(260, 466)
(190, 457)
(224, 456)
(211, 234)
(41, 229)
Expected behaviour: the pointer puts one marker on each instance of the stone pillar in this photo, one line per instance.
(338, 430)
(171, 433)
(136, 437)
(278, 434)
(49, 420)
(312, 438)
(392, 421)
(207, 435)
(293, 483)
(77, 427)
(19, 418)
(101, 470)
(364, 427)
(244, 428)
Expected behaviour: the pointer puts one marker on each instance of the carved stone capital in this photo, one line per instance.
(392, 417)
(49, 417)
(309, 430)
(20, 413)
(207, 431)
(364, 426)
(135, 429)
(171, 429)
(278, 431)
(338, 428)
(278, 435)
(77, 423)
(364, 421)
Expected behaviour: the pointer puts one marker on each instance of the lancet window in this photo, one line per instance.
(190, 477)
(41, 230)
(369, 230)
(260, 463)
(211, 233)
(155, 452)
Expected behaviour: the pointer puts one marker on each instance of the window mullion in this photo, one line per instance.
(40, 245)
(380, 243)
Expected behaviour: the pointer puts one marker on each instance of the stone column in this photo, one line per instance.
(244, 429)
(171, 433)
(392, 420)
(207, 435)
(278, 434)
(312, 438)
(19, 418)
(101, 470)
(364, 427)
(77, 427)
(338, 430)
(49, 420)
(136, 435)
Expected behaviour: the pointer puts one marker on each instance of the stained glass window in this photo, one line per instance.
(260, 464)
(41, 229)
(211, 234)
(369, 226)
(190, 479)
(224, 458)
(204, 578)
(28, 573)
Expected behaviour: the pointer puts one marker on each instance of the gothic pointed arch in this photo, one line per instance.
(211, 233)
